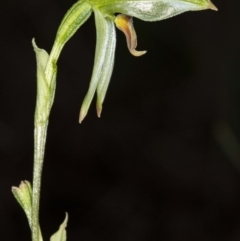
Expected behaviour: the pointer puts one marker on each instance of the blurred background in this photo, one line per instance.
(163, 161)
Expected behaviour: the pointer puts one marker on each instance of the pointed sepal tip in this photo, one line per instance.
(212, 6)
(82, 115)
(99, 111)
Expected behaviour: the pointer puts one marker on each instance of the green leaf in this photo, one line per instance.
(47, 65)
(61, 234)
(103, 62)
(45, 90)
(23, 195)
(76, 16)
(151, 10)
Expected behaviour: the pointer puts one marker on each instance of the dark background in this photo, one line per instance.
(163, 161)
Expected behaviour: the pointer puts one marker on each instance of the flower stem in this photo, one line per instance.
(40, 134)
(46, 84)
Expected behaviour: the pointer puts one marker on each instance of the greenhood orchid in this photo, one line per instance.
(110, 14)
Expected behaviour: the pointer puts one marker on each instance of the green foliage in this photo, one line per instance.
(23, 195)
(61, 234)
(45, 87)
(76, 16)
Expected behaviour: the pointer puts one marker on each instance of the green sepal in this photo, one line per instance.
(151, 10)
(61, 234)
(103, 62)
(107, 68)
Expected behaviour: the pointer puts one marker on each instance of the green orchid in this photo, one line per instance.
(105, 19)
(109, 15)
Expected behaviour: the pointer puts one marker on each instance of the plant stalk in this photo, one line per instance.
(45, 97)
(40, 133)
(46, 84)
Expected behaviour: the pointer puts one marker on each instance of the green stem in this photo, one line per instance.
(46, 83)
(40, 134)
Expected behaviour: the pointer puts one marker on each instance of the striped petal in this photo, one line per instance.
(103, 63)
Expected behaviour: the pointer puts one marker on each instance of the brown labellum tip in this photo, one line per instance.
(125, 24)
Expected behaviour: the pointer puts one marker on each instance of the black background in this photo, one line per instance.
(163, 161)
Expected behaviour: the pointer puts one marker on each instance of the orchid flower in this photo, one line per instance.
(110, 14)
(105, 18)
